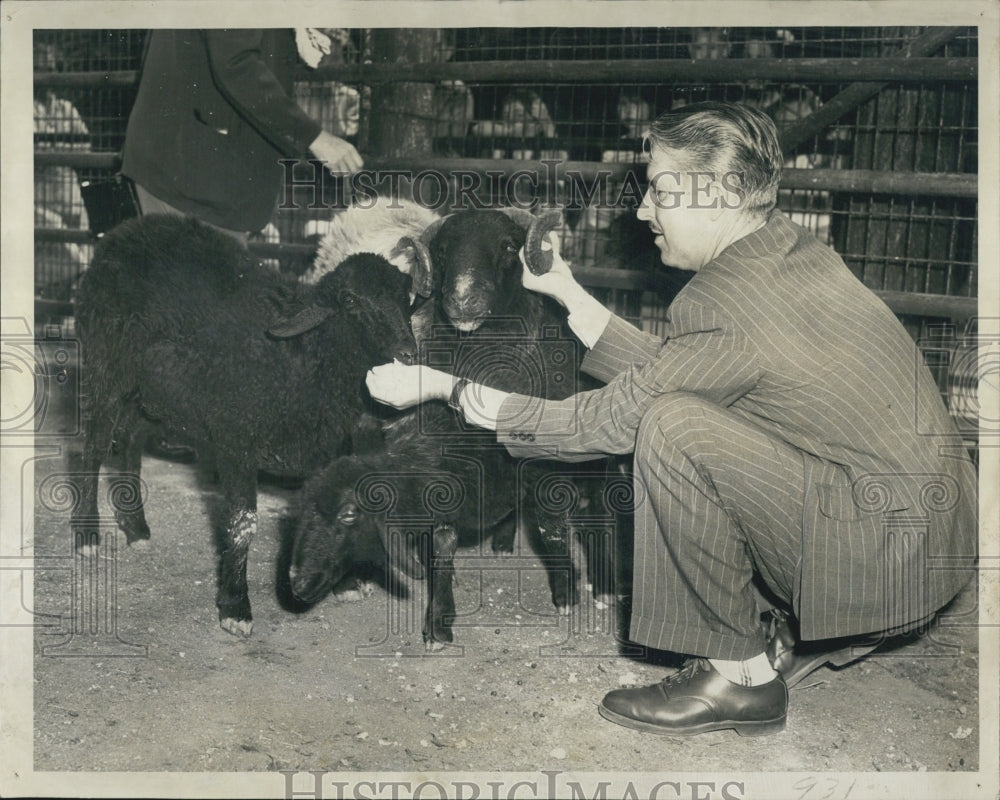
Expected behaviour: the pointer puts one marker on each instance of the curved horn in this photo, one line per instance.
(297, 324)
(519, 215)
(420, 263)
(431, 230)
(540, 261)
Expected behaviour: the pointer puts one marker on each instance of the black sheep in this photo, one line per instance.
(409, 504)
(181, 326)
(514, 340)
(479, 323)
(376, 506)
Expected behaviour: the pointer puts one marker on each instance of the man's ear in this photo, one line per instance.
(732, 195)
(718, 199)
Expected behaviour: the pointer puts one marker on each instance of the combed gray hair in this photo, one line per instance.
(724, 138)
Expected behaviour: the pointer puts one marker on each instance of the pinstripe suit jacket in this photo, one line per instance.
(780, 332)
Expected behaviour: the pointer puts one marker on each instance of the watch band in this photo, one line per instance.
(456, 394)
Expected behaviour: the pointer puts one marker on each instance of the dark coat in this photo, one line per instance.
(777, 330)
(213, 115)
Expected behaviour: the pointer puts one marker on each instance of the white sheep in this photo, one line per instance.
(369, 227)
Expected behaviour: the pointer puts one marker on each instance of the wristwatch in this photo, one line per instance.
(456, 395)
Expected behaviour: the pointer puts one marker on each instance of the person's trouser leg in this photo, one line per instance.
(716, 498)
(151, 204)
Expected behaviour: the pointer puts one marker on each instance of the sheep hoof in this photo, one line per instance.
(604, 600)
(563, 611)
(139, 545)
(352, 591)
(89, 550)
(433, 646)
(237, 627)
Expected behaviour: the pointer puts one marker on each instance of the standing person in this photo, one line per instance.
(786, 428)
(213, 116)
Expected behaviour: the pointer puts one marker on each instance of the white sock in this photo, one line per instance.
(752, 672)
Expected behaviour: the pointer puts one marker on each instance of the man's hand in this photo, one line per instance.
(336, 154)
(401, 386)
(558, 282)
(587, 317)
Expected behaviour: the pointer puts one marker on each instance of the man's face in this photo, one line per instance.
(680, 211)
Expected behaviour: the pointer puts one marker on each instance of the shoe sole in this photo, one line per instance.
(743, 728)
(836, 659)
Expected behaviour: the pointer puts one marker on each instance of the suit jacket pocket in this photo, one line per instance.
(857, 501)
(222, 122)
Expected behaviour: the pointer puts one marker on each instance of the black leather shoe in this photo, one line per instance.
(795, 660)
(697, 699)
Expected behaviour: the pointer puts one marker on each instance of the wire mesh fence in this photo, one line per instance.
(918, 241)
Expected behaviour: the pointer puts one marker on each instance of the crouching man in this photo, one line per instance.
(784, 432)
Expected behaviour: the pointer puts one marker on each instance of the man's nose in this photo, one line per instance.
(643, 212)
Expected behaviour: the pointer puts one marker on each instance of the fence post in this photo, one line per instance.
(402, 114)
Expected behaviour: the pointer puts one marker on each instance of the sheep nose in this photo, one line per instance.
(467, 306)
(467, 313)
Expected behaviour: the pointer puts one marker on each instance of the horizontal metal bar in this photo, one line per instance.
(929, 305)
(279, 249)
(918, 304)
(869, 181)
(64, 235)
(52, 308)
(85, 78)
(930, 184)
(76, 159)
(659, 70)
(604, 71)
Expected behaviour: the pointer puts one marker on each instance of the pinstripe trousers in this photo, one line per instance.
(716, 498)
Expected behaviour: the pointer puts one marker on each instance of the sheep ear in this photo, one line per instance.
(419, 259)
(307, 319)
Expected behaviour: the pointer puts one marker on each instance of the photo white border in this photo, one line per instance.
(20, 18)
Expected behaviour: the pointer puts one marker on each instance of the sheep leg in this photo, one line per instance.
(441, 580)
(600, 540)
(126, 493)
(84, 519)
(240, 490)
(600, 550)
(553, 530)
(504, 535)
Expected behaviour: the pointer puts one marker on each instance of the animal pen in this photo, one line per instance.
(878, 126)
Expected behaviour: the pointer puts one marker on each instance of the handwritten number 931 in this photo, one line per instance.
(823, 789)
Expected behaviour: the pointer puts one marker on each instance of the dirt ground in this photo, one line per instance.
(348, 687)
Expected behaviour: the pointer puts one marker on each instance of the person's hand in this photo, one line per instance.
(335, 153)
(587, 317)
(402, 385)
(558, 282)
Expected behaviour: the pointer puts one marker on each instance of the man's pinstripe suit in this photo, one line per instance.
(787, 425)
